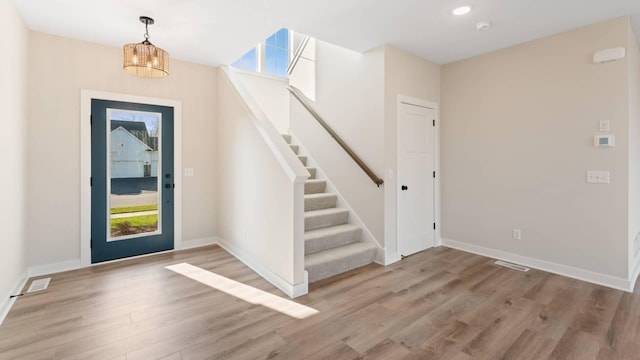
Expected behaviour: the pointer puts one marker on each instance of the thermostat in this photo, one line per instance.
(601, 141)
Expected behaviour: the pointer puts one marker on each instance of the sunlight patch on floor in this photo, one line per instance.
(243, 292)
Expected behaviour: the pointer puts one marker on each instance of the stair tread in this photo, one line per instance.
(322, 212)
(336, 253)
(329, 231)
(319, 195)
(315, 180)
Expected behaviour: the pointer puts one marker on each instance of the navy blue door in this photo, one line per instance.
(132, 179)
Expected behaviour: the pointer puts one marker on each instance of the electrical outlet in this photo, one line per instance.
(517, 234)
(598, 177)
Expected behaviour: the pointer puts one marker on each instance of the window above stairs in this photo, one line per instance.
(270, 56)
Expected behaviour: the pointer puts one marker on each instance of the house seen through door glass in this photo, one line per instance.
(133, 171)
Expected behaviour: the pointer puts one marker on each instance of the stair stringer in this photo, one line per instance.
(353, 219)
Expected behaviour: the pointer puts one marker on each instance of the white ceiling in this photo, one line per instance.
(217, 32)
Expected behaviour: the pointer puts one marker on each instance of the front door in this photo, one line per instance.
(415, 194)
(132, 179)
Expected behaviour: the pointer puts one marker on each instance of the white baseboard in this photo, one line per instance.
(292, 290)
(190, 244)
(634, 275)
(54, 268)
(391, 258)
(7, 303)
(564, 270)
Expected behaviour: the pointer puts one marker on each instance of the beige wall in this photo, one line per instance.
(517, 139)
(14, 39)
(409, 75)
(634, 150)
(58, 69)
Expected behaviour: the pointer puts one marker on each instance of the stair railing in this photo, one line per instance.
(303, 100)
(298, 54)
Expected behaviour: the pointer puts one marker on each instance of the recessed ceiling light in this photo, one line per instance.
(461, 10)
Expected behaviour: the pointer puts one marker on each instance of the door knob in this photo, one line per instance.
(167, 186)
(404, 188)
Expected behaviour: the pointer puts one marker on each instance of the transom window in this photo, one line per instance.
(269, 57)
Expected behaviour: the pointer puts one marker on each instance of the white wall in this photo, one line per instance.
(634, 151)
(410, 75)
(517, 140)
(303, 76)
(14, 39)
(260, 192)
(58, 69)
(350, 98)
(271, 94)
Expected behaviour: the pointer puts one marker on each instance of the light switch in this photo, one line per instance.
(598, 177)
(188, 172)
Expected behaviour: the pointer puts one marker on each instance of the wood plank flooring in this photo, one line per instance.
(439, 304)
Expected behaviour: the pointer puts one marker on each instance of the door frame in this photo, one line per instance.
(85, 163)
(436, 166)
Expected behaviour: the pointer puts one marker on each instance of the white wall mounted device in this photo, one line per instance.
(602, 141)
(607, 55)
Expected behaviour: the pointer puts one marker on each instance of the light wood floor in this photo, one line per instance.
(439, 304)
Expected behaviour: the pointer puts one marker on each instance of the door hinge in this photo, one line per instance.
(434, 122)
(434, 174)
(91, 244)
(90, 119)
(91, 181)
(434, 226)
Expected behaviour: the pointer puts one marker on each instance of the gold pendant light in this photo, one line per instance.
(144, 59)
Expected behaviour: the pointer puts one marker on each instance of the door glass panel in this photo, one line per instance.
(133, 174)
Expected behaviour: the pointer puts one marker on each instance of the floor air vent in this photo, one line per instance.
(512, 266)
(38, 285)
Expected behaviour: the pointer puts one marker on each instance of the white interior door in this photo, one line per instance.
(415, 193)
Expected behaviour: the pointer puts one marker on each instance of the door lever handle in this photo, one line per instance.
(404, 188)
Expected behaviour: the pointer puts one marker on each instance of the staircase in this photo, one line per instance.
(331, 245)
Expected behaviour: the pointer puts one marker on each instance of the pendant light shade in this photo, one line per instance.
(145, 59)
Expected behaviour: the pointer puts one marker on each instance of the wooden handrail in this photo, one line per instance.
(302, 99)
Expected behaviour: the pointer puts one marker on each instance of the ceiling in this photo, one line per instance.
(215, 32)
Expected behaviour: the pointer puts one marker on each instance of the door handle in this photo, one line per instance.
(169, 186)
(404, 188)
